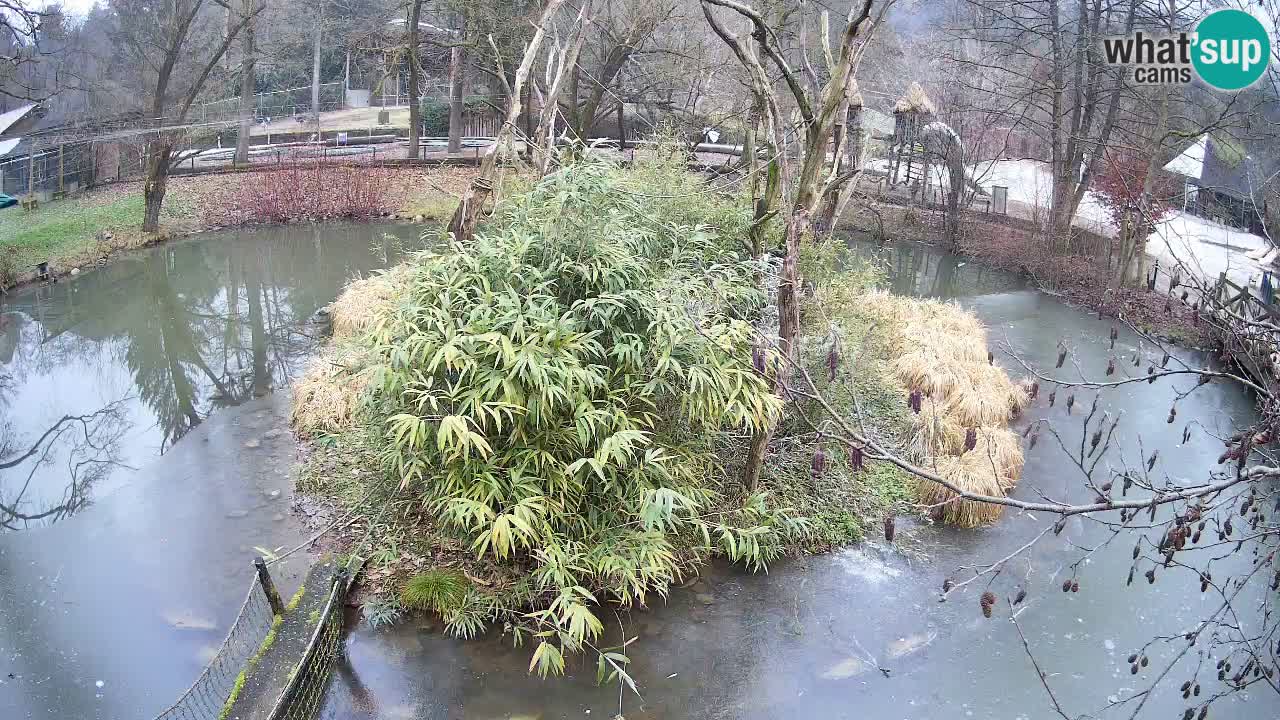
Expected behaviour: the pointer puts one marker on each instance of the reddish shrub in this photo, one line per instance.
(302, 191)
(1120, 188)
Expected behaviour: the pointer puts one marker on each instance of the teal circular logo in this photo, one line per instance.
(1231, 49)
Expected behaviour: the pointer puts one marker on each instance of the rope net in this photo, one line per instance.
(207, 696)
(309, 681)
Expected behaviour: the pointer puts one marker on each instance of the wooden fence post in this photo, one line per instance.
(31, 171)
(268, 586)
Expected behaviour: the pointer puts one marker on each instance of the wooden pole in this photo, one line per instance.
(268, 586)
(31, 172)
(622, 126)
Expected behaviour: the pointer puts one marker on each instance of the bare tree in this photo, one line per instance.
(817, 111)
(485, 185)
(1042, 57)
(20, 49)
(174, 48)
(562, 63)
(621, 29)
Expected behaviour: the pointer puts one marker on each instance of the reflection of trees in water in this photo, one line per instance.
(921, 271)
(195, 326)
(211, 336)
(87, 444)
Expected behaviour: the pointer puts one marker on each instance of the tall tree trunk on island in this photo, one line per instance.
(559, 65)
(484, 186)
(247, 70)
(315, 71)
(819, 116)
(457, 63)
(415, 119)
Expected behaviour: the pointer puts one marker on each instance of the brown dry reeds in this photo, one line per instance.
(941, 351)
(326, 396)
(972, 472)
(365, 300)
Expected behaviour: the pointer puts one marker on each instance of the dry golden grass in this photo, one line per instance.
(365, 300)
(326, 397)
(972, 472)
(941, 351)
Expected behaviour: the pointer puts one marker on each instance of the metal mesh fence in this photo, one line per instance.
(309, 680)
(274, 104)
(205, 699)
(48, 169)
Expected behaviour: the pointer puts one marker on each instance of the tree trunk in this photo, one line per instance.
(766, 206)
(749, 159)
(156, 182)
(415, 120)
(457, 58)
(315, 73)
(465, 219)
(1155, 161)
(622, 125)
(257, 333)
(788, 333)
(561, 64)
(247, 70)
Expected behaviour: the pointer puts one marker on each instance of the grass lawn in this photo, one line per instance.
(67, 233)
(64, 227)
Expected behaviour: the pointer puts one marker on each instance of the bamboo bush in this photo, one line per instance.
(553, 390)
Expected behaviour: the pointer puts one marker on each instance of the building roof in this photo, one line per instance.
(914, 100)
(1191, 162)
(7, 120)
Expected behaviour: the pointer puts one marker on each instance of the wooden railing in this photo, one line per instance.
(1242, 302)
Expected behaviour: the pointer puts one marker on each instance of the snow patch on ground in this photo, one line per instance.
(1208, 249)
(1203, 246)
(1031, 183)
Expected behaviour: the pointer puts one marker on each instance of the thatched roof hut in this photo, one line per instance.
(914, 100)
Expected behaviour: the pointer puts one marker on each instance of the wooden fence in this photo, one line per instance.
(1250, 329)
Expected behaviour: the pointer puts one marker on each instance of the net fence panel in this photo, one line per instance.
(309, 681)
(205, 699)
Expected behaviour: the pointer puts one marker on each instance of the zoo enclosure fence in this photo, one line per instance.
(303, 697)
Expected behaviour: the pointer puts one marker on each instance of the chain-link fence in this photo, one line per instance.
(275, 104)
(48, 170)
(208, 695)
(309, 680)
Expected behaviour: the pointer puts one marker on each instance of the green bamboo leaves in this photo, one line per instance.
(556, 387)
